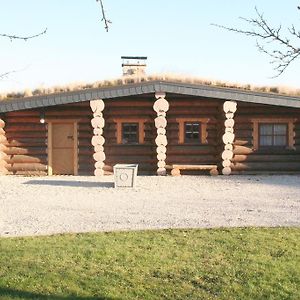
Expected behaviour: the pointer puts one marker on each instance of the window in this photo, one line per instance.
(274, 135)
(192, 132)
(277, 133)
(130, 130)
(130, 133)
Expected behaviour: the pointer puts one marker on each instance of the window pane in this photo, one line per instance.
(280, 140)
(266, 129)
(192, 132)
(280, 129)
(130, 133)
(265, 140)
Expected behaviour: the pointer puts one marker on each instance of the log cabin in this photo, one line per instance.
(154, 123)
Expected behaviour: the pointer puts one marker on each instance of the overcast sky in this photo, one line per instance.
(176, 36)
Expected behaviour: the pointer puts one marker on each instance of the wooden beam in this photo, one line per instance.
(75, 149)
(229, 108)
(97, 107)
(3, 156)
(49, 150)
(161, 106)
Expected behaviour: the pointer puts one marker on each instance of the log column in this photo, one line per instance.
(98, 140)
(229, 108)
(3, 156)
(161, 106)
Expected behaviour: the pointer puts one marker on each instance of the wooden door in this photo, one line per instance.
(64, 154)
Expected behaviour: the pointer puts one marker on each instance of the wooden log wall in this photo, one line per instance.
(3, 142)
(139, 107)
(26, 145)
(193, 108)
(248, 160)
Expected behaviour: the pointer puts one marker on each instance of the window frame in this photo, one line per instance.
(192, 140)
(273, 135)
(203, 129)
(141, 129)
(290, 132)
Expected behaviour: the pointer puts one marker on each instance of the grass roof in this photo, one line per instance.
(283, 90)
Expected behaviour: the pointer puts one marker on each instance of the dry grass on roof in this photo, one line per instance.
(165, 77)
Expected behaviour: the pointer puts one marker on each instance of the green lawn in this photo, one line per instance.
(240, 263)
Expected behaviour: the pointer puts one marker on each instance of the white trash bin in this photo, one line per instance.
(125, 175)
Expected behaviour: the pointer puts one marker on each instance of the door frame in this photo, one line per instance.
(50, 144)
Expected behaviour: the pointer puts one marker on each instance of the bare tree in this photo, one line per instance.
(282, 48)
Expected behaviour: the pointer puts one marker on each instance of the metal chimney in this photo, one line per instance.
(134, 65)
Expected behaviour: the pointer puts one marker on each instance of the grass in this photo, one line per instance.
(238, 263)
(77, 86)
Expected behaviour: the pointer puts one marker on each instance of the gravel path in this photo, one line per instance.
(34, 206)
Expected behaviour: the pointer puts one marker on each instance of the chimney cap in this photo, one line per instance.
(133, 57)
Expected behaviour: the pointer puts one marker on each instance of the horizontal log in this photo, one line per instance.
(2, 139)
(98, 172)
(228, 147)
(243, 142)
(99, 148)
(26, 134)
(26, 167)
(25, 127)
(133, 159)
(98, 140)
(228, 138)
(161, 156)
(98, 122)
(161, 140)
(237, 150)
(99, 165)
(229, 106)
(27, 173)
(161, 164)
(267, 166)
(129, 151)
(226, 163)
(267, 158)
(161, 105)
(98, 131)
(229, 115)
(3, 163)
(229, 123)
(227, 154)
(99, 156)
(26, 142)
(12, 159)
(25, 151)
(160, 122)
(27, 120)
(226, 171)
(23, 113)
(97, 105)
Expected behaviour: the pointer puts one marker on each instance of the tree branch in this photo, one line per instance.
(104, 18)
(284, 51)
(6, 74)
(24, 38)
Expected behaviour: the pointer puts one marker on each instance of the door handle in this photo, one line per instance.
(70, 137)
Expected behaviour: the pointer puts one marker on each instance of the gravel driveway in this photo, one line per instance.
(34, 206)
